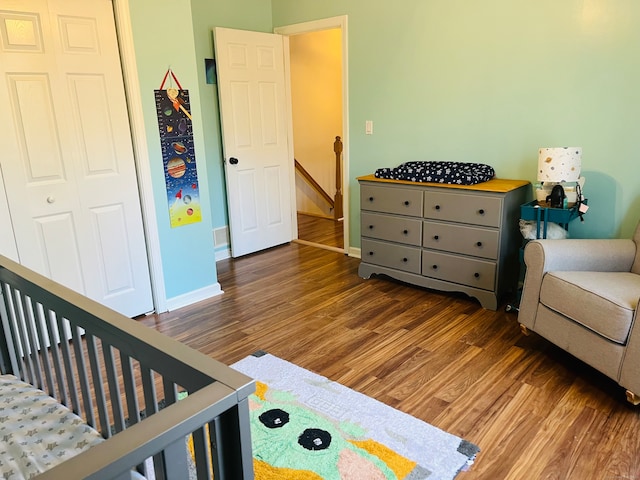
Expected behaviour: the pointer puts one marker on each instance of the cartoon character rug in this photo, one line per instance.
(306, 427)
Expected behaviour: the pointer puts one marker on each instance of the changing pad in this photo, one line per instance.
(455, 173)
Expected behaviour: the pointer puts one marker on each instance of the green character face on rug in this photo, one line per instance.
(286, 434)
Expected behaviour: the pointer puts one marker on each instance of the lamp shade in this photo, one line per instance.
(559, 164)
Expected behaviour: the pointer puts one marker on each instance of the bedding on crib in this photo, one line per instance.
(36, 432)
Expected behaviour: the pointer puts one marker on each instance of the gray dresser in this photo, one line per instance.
(445, 237)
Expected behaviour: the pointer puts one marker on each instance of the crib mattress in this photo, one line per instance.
(36, 432)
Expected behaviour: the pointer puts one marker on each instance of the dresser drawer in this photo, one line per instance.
(476, 241)
(387, 227)
(463, 208)
(463, 270)
(403, 201)
(391, 255)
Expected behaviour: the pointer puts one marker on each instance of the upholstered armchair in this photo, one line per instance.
(582, 295)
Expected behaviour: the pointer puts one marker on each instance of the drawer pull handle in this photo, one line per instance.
(436, 237)
(405, 259)
(435, 267)
(370, 254)
(481, 211)
(478, 244)
(477, 275)
(371, 199)
(406, 232)
(370, 227)
(406, 202)
(437, 207)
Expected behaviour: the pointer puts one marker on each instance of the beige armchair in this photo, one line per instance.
(582, 295)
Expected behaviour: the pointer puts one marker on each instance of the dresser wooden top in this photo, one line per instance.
(499, 185)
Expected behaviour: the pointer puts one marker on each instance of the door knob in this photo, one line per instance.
(233, 161)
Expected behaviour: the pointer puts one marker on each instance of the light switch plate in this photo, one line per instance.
(368, 127)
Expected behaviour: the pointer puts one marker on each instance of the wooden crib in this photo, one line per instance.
(165, 410)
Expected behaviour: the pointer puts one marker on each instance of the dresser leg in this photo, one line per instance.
(633, 398)
(525, 331)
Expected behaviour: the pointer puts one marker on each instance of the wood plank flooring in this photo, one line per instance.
(534, 411)
(324, 231)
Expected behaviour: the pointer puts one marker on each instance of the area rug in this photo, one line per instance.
(307, 427)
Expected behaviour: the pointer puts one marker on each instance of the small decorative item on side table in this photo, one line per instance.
(559, 201)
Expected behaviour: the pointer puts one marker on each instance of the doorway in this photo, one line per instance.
(318, 88)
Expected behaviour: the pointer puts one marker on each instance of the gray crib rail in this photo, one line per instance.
(125, 380)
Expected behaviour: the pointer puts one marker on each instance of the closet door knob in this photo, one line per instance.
(233, 161)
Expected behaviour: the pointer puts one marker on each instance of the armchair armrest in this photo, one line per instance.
(541, 256)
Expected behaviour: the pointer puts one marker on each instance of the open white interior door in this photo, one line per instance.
(255, 123)
(67, 157)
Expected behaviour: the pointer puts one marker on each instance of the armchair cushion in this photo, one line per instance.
(603, 302)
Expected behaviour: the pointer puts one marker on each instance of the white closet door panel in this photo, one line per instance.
(32, 107)
(58, 244)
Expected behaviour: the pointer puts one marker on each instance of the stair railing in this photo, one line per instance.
(334, 203)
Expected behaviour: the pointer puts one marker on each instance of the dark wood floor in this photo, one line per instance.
(323, 231)
(534, 411)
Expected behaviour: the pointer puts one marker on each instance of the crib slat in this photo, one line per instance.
(201, 449)
(43, 340)
(55, 354)
(32, 353)
(130, 390)
(232, 457)
(26, 370)
(114, 388)
(151, 407)
(175, 460)
(81, 366)
(9, 360)
(98, 386)
(71, 384)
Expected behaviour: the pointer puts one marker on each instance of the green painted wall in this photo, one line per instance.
(492, 82)
(161, 40)
(483, 82)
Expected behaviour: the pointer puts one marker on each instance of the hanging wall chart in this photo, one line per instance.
(178, 152)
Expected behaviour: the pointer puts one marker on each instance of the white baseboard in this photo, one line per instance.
(355, 252)
(223, 254)
(193, 297)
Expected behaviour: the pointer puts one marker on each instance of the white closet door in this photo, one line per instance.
(67, 159)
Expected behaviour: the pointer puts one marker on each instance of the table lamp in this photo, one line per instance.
(559, 166)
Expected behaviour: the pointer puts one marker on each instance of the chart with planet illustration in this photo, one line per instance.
(179, 156)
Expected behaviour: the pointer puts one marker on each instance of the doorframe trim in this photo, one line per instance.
(314, 26)
(124, 32)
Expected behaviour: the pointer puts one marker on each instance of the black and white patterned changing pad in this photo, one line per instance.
(454, 173)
